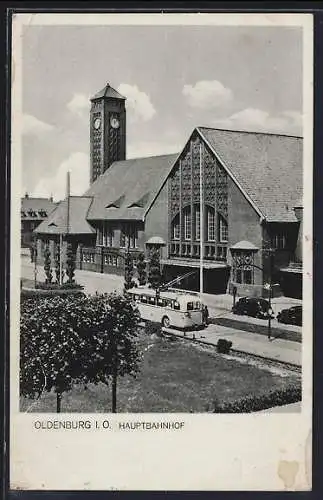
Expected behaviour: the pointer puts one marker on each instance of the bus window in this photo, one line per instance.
(152, 300)
(161, 302)
(144, 299)
(137, 297)
(176, 305)
(190, 306)
(168, 303)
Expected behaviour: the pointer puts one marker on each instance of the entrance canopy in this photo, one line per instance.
(195, 264)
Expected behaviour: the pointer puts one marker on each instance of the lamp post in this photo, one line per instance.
(268, 286)
(271, 253)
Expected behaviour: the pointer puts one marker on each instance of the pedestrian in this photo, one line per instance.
(205, 315)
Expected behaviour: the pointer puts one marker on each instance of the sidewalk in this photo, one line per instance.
(276, 349)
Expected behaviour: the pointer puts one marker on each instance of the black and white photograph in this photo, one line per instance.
(161, 239)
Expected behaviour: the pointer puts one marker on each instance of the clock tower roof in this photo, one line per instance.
(108, 92)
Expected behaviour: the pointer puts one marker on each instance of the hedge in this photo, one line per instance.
(249, 404)
(57, 286)
(38, 292)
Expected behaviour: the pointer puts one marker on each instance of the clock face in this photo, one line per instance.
(97, 123)
(114, 122)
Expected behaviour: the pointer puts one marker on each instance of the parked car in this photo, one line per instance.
(291, 316)
(252, 306)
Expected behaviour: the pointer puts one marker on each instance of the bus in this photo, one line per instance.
(170, 308)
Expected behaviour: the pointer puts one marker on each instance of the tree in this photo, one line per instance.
(70, 263)
(128, 271)
(111, 339)
(142, 269)
(51, 348)
(57, 263)
(155, 277)
(47, 267)
(76, 340)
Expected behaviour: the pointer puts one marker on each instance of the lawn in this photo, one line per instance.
(175, 376)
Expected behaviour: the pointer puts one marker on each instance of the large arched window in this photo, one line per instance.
(176, 228)
(210, 220)
(187, 223)
(197, 222)
(223, 229)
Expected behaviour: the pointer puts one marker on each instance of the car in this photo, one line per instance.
(291, 316)
(256, 307)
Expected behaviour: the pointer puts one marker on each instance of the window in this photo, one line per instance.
(278, 241)
(176, 228)
(122, 239)
(210, 224)
(243, 269)
(133, 237)
(187, 223)
(99, 236)
(223, 230)
(129, 236)
(197, 223)
(108, 235)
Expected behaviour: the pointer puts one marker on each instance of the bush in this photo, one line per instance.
(153, 328)
(249, 404)
(223, 346)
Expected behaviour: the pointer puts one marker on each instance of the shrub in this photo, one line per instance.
(155, 277)
(153, 328)
(47, 267)
(142, 269)
(70, 263)
(223, 346)
(128, 272)
(249, 404)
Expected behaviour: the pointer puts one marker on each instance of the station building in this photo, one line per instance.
(251, 192)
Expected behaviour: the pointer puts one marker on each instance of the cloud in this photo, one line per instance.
(33, 126)
(79, 105)
(258, 120)
(79, 167)
(207, 94)
(138, 102)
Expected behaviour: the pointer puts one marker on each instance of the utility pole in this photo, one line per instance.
(271, 269)
(201, 225)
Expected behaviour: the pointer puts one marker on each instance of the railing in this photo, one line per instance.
(212, 251)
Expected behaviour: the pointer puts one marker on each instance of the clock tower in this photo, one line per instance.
(107, 130)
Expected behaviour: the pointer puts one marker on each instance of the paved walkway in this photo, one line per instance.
(250, 343)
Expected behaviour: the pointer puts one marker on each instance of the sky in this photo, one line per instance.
(174, 77)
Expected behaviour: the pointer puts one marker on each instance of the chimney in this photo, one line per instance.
(26, 195)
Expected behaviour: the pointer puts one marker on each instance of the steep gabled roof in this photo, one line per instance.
(108, 91)
(77, 223)
(126, 190)
(267, 168)
(36, 208)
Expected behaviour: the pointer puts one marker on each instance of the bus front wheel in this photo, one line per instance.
(165, 322)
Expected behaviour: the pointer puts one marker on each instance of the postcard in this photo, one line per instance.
(161, 252)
